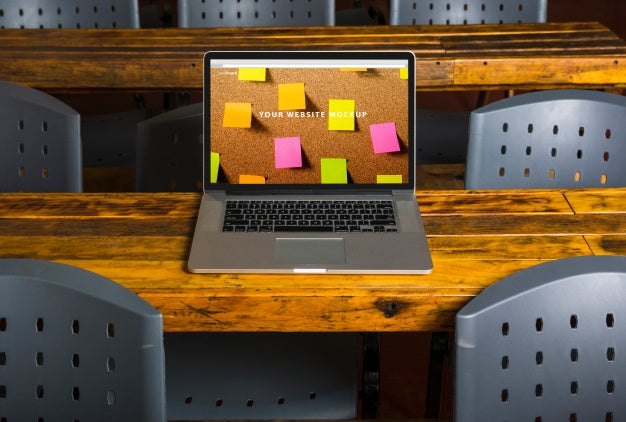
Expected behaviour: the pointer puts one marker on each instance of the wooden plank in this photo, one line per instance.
(594, 201)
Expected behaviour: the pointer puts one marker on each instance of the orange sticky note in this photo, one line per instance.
(291, 96)
(237, 115)
(251, 74)
(251, 179)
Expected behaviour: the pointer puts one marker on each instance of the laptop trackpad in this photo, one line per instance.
(310, 251)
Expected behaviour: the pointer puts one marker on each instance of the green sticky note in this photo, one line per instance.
(251, 74)
(215, 166)
(334, 170)
(389, 178)
(340, 114)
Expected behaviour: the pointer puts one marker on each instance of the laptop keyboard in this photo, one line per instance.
(309, 216)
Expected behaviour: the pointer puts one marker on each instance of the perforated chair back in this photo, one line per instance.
(548, 139)
(69, 14)
(244, 376)
(169, 151)
(545, 344)
(218, 13)
(76, 346)
(40, 142)
(465, 12)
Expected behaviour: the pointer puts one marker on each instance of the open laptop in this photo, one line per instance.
(309, 164)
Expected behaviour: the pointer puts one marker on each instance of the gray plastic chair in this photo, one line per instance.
(69, 14)
(169, 151)
(457, 12)
(548, 139)
(545, 344)
(218, 13)
(245, 376)
(41, 145)
(76, 346)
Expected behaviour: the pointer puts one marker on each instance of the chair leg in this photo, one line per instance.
(371, 376)
(438, 354)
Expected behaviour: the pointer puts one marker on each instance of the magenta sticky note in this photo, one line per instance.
(287, 152)
(384, 137)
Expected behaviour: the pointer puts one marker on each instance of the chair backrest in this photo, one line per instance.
(76, 346)
(460, 12)
(169, 151)
(244, 376)
(69, 14)
(547, 343)
(41, 145)
(548, 139)
(218, 13)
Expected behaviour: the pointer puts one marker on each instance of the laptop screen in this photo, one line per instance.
(329, 119)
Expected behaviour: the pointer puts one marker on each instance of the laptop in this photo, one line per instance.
(309, 164)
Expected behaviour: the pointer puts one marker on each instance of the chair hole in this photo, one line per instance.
(538, 390)
(219, 403)
(526, 172)
(579, 154)
(573, 417)
(312, 395)
(75, 360)
(188, 399)
(606, 156)
(610, 320)
(610, 354)
(3, 358)
(555, 130)
(539, 358)
(505, 328)
(44, 173)
(610, 386)
(39, 392)
(573, 387)
(539, 325)
(280, 401)
(39, 325)
(551, 174)
(75, 394)
(501, 172)
(603, 179)
(110, 364)
(505, 362)
(608, 417)
(110, 330)
(3, 392)
(44, 150)
(504, 395)
(249, 403)
(3, 324)
(21, 148)
(553, 152)
(573, 355)
(111, 398)
(44, 126)
(530, 128)
(20, 124)
(75, 326)
(577, 176)
(529, 150)
(39, 359)
(21, 171)
(538, 419)
(581, 131)
(503, 150)
(505, 127)
(607, 134)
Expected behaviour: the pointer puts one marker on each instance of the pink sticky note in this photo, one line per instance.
(384, 138)
(287, 152)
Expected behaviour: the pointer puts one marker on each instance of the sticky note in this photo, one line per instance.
(340, 114)
(237, 115)
(287, 152)
(251, 179)
(389, 178)
(251, 74)
(334, 170)
(291, 96)
(215, 166)
(404, 73)
(353, 69)
(384, 137)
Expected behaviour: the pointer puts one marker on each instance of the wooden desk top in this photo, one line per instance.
(142, 241)
(519, 56)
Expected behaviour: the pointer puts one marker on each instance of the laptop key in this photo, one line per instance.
(303, 228)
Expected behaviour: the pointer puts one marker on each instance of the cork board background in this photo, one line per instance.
(380, 93)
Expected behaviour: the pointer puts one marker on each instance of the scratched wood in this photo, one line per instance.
(532, 56)
(476, 238)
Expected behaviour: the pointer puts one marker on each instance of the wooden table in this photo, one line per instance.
(142, 240)
(459, 57)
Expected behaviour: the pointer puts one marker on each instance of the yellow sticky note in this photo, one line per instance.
(291, 96)
(389, 178)
(353, 69)
(404, 73)
(340, 114)
(215, 166)
(334, 170)
(237, 115)
(251, 74)
(251, 179)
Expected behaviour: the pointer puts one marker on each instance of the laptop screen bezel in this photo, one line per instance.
(309, 55)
